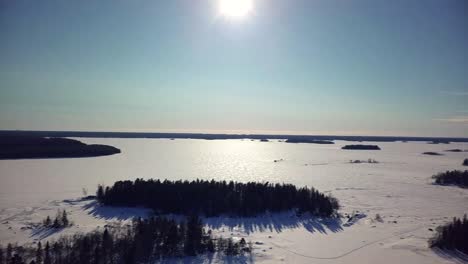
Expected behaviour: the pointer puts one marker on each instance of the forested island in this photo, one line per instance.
(455, 177)
(143, 241)
(454, 150)
(361, 147)
(306, 140)
(213, 198)
(431, 153)
(27, 147)
(452, 236)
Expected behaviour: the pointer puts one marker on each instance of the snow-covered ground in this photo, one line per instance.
(398, 189)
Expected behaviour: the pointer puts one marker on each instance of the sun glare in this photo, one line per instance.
(235, 8)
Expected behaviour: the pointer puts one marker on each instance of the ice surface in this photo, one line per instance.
(398, 188)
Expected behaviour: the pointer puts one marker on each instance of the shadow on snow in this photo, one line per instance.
(266, 222)
(44, 232)
(277, 222)
(209, 258)
(115, 213)
(453, 255)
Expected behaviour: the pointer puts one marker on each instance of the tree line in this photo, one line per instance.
(212, 198)
(455, 177)
(143, 241)
(361, 147)
(453, 235)
(61, 220)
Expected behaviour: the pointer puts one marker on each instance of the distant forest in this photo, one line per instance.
(306, 140)
(218, 136)
(432, 153)
(453, 235)
(27, 147)
(212, 198)
(362, 147)
(144, 241)
(455, 177)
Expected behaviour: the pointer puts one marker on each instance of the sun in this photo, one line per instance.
(235, 8)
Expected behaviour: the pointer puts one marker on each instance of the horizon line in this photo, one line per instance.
(228, 134)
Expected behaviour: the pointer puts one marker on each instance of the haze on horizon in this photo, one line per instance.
(358, 67)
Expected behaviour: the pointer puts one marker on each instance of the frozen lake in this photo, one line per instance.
(325, 167)
(398, 187)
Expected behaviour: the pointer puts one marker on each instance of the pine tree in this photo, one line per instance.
(47, 221)
(57, 252)
(229, 247)
(100, 193)
(17, 259)
(97, 256)
(65, 221)
(194, 235)
(9, 253)
(2, 259)
(47, 257)
(107, 245)
(39, 253)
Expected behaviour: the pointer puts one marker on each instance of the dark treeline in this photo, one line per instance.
(362, 147)
(213, 198)
(465, 162)
(432, 153)
(453, 235)
(216, 136)
(28, 147)
(144, 241)
(455, 177)
(454, 150)
(306, 140)
(61, 220)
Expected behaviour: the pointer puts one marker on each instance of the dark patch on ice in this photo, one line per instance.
(353, 218)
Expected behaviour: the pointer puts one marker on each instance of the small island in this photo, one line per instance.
(214, 198)
(455, 177)
(454, 150)
(465, 162)
(310, 141)
(361, 147)
(431, 153)
(26, 147)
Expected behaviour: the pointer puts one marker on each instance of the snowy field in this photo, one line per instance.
(398, 189)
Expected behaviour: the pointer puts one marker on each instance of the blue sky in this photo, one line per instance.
(364, 67)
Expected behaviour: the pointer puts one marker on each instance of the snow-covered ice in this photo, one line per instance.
(398, 189)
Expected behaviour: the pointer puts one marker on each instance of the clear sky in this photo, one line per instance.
(360, 67)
